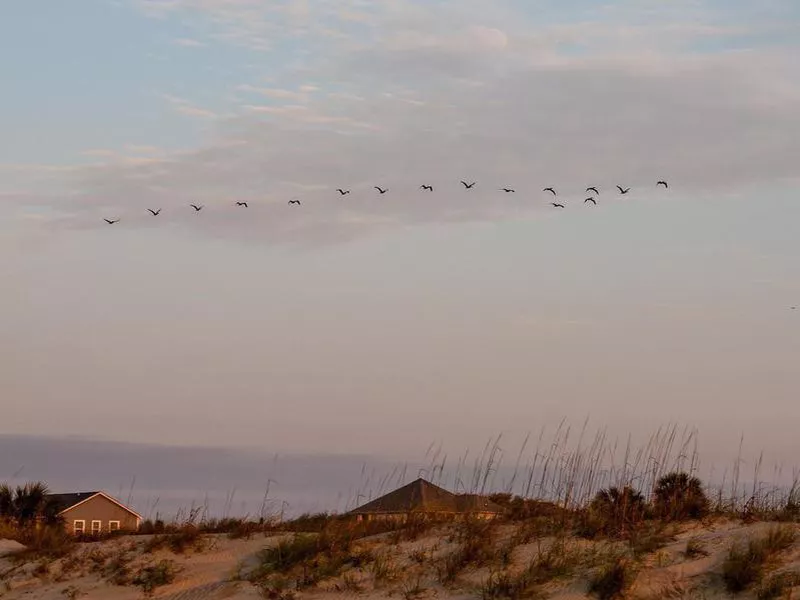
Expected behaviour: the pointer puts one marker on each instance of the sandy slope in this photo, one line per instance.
(210, 573)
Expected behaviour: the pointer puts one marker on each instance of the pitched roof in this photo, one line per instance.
(65, 502)
(423, 496)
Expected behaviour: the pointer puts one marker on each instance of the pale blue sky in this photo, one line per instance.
(374, 324)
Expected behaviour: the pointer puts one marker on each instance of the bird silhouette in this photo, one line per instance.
(549, 189)
(342, 192)
(623, 191)
(664, 183)
(196, 208)
(155, 213)
(507, 190)
(592, 200)
(110, 222)
(426, 187)
(557, 205)
(294, 202)
(591, 188)
(242, 204)
(382, 191)
(469, 186)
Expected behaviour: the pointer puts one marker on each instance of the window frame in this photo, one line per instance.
(76, 530)
(99, 527)
(112, 528)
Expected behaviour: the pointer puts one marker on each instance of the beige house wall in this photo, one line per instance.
(100, 509)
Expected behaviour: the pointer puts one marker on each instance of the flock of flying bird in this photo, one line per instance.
(429, 188)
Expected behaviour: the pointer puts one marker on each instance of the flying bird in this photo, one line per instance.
(469, 186)
(508, 190)
(294, 202)
(196, 208)
(426, 187)
(382, 191)
(591, 188)
(557, 205)
(110, 222)
(623, 191)
(242, 204)
(664, 183)
(342, 192)
(592, 200)
(549, 189)
(155, 213)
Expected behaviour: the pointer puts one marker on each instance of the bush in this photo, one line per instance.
(26, 503)
(613, 512)
(151, 577)
(557, 561)
(695, 549)
(612, 580)
(745, 565)
(186, 538)
(678, 497)
(46, 541)
(777, 585)
(521, 509)
(648, 539)
(476, 547)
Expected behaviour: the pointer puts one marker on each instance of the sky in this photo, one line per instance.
(372, 324)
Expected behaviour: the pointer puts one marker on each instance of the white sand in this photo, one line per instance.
(211, 573)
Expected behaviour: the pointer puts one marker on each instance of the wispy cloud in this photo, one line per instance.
(185, 107)
(188, 43)
(606, 95)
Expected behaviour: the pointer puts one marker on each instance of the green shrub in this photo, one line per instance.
(678, 496)
(151, 577)
(611, 580)
(744, 565)
(614, 512)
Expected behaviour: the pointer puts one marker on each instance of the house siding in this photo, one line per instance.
(103, 510)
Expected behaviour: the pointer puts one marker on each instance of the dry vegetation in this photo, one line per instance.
(653, 533)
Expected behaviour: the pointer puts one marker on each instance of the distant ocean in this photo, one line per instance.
(168, 481)
(163, 480)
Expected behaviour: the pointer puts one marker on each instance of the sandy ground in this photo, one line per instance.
(213, 571)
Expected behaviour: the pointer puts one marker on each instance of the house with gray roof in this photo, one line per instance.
(94, 513)
(421, 497)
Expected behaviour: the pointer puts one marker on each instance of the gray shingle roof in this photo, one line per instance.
(423, 496)
(65, 501)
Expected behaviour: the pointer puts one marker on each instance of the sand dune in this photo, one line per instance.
(217, 569)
